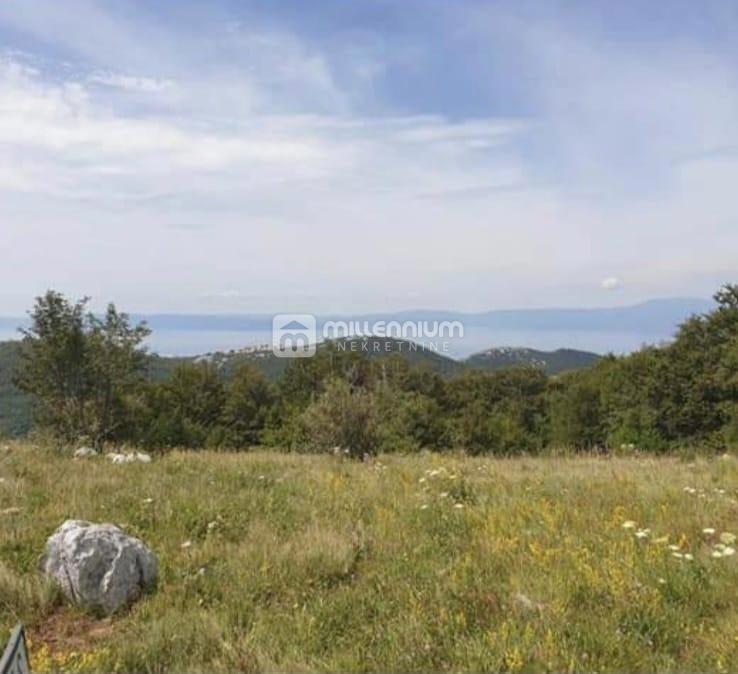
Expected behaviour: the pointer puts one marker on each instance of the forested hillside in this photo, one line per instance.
(362, 396)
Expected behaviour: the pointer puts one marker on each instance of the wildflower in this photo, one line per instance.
(708, 531)
(424, 506)
(148, 500)
(728, 552)
(690, 490)
(677, 555)
(662, 581)
(717, 554)
(629, 524)
(186, 544)
(643, 533)
(661, 540)
(444, 494)
(674, 548)
(688, 556)
(458, 506)
(421, 480)
(261, 477)
(212, 525)
(727, 538)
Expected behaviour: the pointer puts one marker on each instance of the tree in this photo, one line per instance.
(79, 368)
(247, 405)
(184, 411)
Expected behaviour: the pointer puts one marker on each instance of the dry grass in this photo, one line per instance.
(423, 563)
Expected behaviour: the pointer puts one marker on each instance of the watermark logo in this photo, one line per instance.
(294, 335)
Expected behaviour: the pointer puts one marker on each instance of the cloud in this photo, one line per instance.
(327, 166)
(146, 85)
(611, 283)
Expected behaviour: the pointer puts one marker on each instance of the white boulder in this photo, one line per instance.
(85, 452)
(98, 566)
(141, 457)
(120, 458)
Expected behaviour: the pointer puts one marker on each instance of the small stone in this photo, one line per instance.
(525, 603)
(85, 453)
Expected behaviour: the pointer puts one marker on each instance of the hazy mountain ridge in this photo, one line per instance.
(660, 315)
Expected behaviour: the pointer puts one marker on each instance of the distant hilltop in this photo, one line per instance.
(551, 362)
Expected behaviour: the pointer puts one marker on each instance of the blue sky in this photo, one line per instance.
(364, 156)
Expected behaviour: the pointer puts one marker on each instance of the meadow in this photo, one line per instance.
(429, 562)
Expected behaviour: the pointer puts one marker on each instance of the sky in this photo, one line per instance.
(332, 156)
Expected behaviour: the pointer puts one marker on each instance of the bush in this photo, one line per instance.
(343, 418)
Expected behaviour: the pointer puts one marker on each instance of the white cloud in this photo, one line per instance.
(611, 283)
(146, 85)
(304, 197)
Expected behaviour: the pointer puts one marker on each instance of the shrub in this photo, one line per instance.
(343, 417)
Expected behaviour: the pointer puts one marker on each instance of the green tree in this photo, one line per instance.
(78, 368)
(185, 410)
(248, 401)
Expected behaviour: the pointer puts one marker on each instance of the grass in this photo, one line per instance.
(424, 563)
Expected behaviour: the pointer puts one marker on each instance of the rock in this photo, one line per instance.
(526, 604)
(85, 452)
(98, 566)
(141, 457)
(120, 458)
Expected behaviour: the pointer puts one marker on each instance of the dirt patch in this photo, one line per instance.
(67, 630)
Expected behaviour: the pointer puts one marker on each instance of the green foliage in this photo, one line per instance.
(15, 406)
(363, 396)
(247, 406)
(343, 419)
(184, 410)
(78, 367)
(500, 412)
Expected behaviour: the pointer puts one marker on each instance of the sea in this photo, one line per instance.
(188, 342)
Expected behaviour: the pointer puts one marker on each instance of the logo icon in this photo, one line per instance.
(294, 335)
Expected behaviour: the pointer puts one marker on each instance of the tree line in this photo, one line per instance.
(87, 376)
